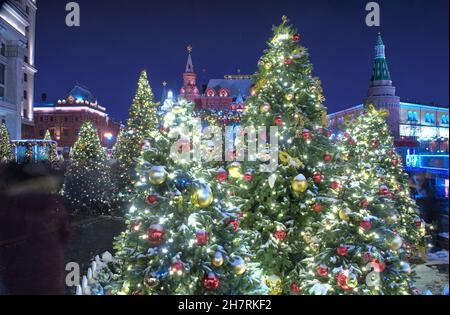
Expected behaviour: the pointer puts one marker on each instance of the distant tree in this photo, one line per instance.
(6, 149)
(88, 187)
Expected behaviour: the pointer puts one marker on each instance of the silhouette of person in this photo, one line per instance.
(34, 229)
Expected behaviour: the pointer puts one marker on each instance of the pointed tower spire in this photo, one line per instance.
(164, 92)
(190, 90)
(380, 68)
(190, 64)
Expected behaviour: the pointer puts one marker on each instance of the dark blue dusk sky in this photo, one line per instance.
(118, 38)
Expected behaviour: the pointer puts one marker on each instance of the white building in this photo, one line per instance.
(17, 66)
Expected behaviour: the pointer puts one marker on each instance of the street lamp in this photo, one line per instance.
(108, 136)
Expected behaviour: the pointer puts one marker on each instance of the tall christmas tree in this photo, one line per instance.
(180, 239)
(53, 152)
(6, 149)
(367, 237)
(87, 186)
(278, 207)
(142, 120)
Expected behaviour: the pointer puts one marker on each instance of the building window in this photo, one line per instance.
(51, 118)
(427, 118)
(2, 80)
(25, 113)
(25, 77)
(27, 9)
(41, 133)
(41, 119)
(415, 117)
(66, 132)
(25, 95)
(66, 119)
(410, 116)
(3, 49)
(77, 132)
(432, 119)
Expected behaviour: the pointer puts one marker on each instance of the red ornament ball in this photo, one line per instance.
(296, 37)
(418, 223)
(288, 61)
(211, 282)
(367, 256)
(306, 134)
(352, 142)
(295, 288)
(317, 178)
(155, 234)
(328, 134)
(346, 135)
(278, 121)
(366, 225)
(222, 176)
(280, 235)
(177, 266)
(234, 223)
(248, 177)
(202, 238)
(335, 185)
(327, 158)
(342, 251)
(322, 270)
(384, 191)
(378, 266)
(317, 208)
(152, 199)
(374, 144)
(342, 281)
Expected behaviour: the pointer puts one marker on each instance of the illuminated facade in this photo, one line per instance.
(17, 66)
(65, 117)
(420, 131)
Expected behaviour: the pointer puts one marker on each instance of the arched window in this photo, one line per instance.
(210, 92)
(223, 93)
(415, 116)
(432, 119)
(427, 117)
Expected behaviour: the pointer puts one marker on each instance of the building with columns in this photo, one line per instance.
(17, 66)
(420, 131)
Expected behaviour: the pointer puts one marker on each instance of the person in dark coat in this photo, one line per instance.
(34, 229)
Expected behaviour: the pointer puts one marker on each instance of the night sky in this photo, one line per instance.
(118, 38)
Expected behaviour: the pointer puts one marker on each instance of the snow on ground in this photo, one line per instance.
(433, 275)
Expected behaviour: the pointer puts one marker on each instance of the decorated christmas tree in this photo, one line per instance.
(179, 237)
(87, 186)
(53, 152)
(142, 120)
(367, 237)
(280, 205)
(6, 149)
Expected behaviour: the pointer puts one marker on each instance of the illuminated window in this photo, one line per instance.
(427, 117)
(432, 120)
(415, 116)
(410, 116)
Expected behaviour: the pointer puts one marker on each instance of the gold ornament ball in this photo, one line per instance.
(268, 65)
(235, 170)
(300, 184)
(275, 285)
(177, 197)
(344, 214)
(203, 196)
(289, 97)
(218, 260)
(157, 175)
(396, 242)
(177, 109)
(265, 108)
(239, 266)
